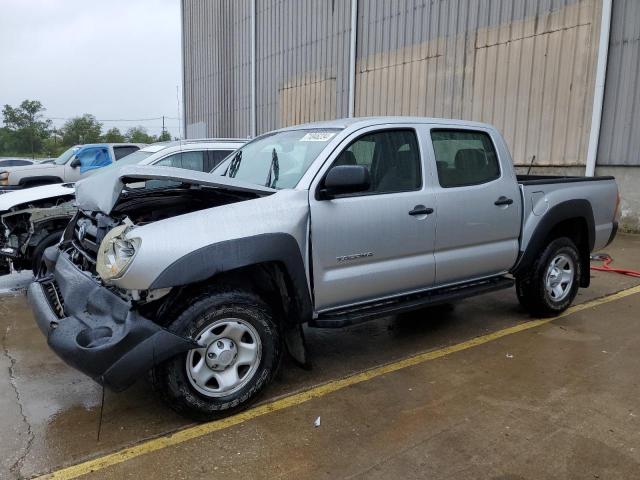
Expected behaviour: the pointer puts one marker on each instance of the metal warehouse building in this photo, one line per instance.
(559, 78)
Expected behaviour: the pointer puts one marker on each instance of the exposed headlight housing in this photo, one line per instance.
(4, 178)
(116, 253)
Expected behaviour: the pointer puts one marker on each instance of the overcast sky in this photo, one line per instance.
(115, 59)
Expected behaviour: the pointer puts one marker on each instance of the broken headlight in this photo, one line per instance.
(4, 178)
(116, 253)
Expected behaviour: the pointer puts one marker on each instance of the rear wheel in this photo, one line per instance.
(551, 284)
(239, 353)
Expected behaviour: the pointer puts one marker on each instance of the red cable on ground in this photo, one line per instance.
(606, 261)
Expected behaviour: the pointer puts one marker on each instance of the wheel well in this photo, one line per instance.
(47, 228)
(577, 230)
(269, 280)
(573, 228)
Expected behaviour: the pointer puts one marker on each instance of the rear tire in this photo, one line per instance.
(552, 282)
(242, 355)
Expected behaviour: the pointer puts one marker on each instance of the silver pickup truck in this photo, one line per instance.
(205, 279)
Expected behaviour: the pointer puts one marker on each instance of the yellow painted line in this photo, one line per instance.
(190, 433)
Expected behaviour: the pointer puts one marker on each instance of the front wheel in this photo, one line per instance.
(38, 252)
(239, 354)
(551, 284)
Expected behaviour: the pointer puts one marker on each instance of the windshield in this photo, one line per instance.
(276, 160)
(64, 158)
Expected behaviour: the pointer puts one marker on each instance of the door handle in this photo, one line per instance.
(421, 210)
(503, 201)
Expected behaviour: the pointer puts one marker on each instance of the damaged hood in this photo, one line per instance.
(101, 191)
(34, 194)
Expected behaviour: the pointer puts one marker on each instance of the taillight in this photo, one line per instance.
(616, 212)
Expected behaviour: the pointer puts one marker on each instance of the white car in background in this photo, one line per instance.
(33, 219)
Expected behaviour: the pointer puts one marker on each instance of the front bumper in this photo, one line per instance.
(94, 330)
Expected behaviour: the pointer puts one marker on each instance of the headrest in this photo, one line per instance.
(470, 159)
(346, 158)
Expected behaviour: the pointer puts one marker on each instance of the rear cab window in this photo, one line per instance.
(464, 157)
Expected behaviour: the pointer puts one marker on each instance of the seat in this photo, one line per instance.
(402, 174)
(470, 165)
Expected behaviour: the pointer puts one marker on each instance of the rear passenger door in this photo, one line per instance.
(478, 222)
(368, 245)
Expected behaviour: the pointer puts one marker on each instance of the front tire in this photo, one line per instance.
(552, 283)
(240, 354)
(38, 252)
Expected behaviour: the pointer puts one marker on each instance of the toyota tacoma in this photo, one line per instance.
(204, 280)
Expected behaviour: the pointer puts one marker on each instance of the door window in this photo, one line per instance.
(216, 157)
(120, 152)
(188, 160)
(93, 157)
(464, 158)
(392, 158)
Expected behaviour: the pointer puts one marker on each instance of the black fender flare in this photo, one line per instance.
(36, 181)
(220, 257)
(569, 210)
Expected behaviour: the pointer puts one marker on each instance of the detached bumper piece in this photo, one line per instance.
(95, 331)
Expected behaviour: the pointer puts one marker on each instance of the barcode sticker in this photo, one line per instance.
(317, 136)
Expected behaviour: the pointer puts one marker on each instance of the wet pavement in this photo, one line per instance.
(558, 401)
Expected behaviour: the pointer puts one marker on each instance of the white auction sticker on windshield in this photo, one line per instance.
(317, 136)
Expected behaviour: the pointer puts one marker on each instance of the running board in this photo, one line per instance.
(362, 313)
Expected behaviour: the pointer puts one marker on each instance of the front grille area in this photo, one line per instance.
(54, 296)
(88, 232)
(86, 236)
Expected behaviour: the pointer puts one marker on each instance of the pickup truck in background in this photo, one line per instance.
(73, 164)
(328, 224)
(33, 219)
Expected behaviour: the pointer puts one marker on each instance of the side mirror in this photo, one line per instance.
(345, 179)
(75, 163)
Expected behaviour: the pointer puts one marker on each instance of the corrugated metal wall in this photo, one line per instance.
(526, 66)
(217, 65)
(302, 61)
(620, 130)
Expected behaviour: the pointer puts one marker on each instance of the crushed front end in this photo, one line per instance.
(92, 327)
(24, 227)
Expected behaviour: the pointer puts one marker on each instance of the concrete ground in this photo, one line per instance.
(561, 400)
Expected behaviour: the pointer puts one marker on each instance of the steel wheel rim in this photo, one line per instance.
(228, 358)
(559, 277)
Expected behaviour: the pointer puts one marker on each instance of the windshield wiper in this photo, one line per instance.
(274, 169)
(233, 167)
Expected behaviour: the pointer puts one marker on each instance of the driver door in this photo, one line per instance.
(373, 244)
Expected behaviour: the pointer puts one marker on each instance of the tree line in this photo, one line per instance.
(26, 131)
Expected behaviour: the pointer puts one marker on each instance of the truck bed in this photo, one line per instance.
(551, 179)
(596, 195)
